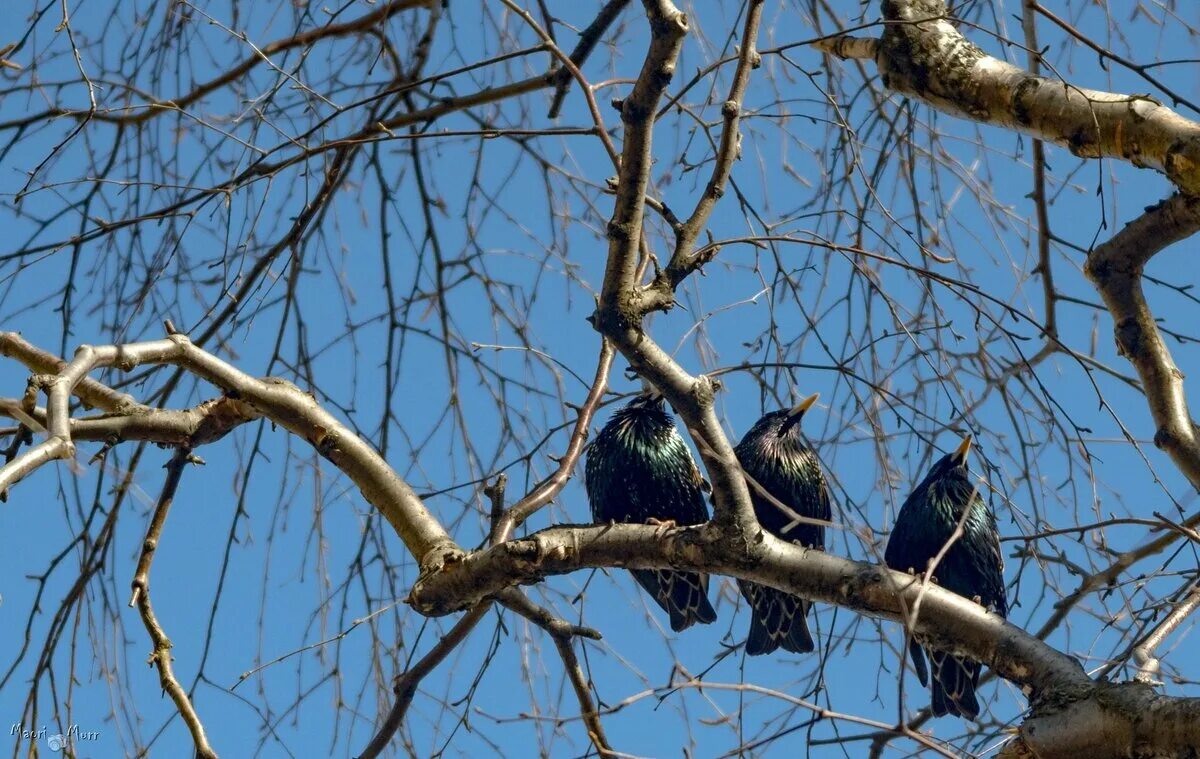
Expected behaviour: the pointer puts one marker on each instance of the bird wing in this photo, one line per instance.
(911, 543)
(683, 595)
(777, 619)
(954, 683)
(908, 550)
(974, 566)
(821, 508)
(693, 506)
(985, 549)
(698, 477)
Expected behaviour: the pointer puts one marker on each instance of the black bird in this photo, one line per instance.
(640, 470)
(773, 454)
(971, 567)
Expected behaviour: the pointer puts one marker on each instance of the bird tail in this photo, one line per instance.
(683, 595)
(953, 686)
(777, 619)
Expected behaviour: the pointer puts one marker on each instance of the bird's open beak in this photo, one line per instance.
(803, 405)
(963, 450)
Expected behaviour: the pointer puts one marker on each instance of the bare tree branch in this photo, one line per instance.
(278, 400)
(1115, 267)
(160, 657)
(922, 55)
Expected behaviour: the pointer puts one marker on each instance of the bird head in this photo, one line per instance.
(948, 481)
(955, 462)
(793, 415)
(650, 396)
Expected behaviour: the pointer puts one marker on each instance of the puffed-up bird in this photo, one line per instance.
(774, 456)
(640, 470)
(972, 567)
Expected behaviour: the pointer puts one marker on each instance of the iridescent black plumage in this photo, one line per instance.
(639, 470)
(972, 567)
(773, 454)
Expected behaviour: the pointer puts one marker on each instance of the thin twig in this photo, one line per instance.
(406, 684)
(563, 634)
(160, 657)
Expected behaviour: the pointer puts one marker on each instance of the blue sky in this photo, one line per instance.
(301, 534)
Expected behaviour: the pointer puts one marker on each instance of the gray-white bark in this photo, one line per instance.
(922, 55)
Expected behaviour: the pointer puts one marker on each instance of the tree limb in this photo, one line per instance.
(947, 621)
(160, 657)
(278, 400)
(921, 54)
(1115, 268)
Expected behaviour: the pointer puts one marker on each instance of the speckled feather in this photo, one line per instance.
(973, 567)
(639, 468)
(776, 457)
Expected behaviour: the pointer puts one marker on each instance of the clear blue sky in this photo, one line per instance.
(301, 532)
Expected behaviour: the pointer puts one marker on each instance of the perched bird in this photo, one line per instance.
(640, 470)
(971, 567)
(777, 459)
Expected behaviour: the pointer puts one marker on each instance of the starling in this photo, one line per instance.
(639, 470)
(972, 567)
(774, 456)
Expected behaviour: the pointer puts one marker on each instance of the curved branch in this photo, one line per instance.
(947, 620)
(205, 423)
(94, 394)
(623, 303)
(922, 55)
(1072, 715)
(127, 115)
(276, 399)
(160, 657)
(1115, 268)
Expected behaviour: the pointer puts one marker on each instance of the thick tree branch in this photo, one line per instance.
(1115, 267)
(921, 54)
(623, 302)
(668, 26)
(1071, 715)
(92, 393)
(1114, 720)
(278, 400)
(194, 427)
(947, 620)
(684, 260)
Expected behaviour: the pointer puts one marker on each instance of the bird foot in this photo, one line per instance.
(662, 524)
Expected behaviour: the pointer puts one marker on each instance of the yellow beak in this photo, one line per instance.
(963, 450)
(804, 405)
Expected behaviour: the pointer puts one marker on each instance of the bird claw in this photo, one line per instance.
(662, 525)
